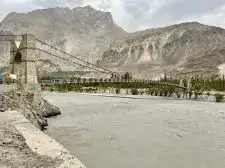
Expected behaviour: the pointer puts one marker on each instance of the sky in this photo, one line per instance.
(134, 15)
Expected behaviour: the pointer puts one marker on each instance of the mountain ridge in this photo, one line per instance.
(169, 49)
(82, 31)
(92, 35)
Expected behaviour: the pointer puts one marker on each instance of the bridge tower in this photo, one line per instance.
(22, 64)
(22, 60)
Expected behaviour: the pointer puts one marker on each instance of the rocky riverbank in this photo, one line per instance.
(22, 144)
(37, 114)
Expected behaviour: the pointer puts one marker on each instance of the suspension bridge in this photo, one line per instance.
(23, 54)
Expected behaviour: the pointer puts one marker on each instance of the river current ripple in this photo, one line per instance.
(108, 132)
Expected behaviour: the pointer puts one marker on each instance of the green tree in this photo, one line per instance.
(127, 76)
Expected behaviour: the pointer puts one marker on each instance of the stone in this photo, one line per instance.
(22, 60)
(36, 114)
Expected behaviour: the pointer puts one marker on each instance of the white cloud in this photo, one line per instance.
(7, 6)
(134, 15)
(215, 18)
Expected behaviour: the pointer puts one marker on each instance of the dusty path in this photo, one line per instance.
(14, 152)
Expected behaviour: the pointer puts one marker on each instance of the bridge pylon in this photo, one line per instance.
(23, 64)
(22, 59)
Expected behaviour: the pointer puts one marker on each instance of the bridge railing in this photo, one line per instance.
(53, 82)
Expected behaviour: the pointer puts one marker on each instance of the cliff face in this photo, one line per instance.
(179, 49)
(83, 31)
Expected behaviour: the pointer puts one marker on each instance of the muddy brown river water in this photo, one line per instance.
(109, 132)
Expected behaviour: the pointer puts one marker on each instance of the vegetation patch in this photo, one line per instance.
(134, 91)
(219, 97)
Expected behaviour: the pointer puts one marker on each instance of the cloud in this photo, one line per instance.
(58, 3)
(134, 15)
(214, 18)
(7, 6)
(178, 10)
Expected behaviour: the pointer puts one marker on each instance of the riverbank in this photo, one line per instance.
(12, 99)
(14, 151)
(22, 143)
(145, 94)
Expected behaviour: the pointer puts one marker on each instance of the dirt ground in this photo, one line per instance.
(14, 153)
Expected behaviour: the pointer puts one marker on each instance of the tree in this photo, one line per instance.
(165, 76)
(127, 76)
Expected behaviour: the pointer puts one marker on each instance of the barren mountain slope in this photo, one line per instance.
(187, 48)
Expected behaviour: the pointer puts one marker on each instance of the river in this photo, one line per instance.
(110, 132)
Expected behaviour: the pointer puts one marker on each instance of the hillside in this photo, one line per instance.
(183, 49)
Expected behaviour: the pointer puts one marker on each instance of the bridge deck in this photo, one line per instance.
(75, 81)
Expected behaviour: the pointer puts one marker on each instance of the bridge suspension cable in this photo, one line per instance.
(77, 58)
(54, 55)
(11, 37)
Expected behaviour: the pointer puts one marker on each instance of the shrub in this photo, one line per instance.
(134, 91)
(69, 88)
(117, 90)
(219, 97)
(152, 92)
(161, 93)
(165, 93)
(171, 90)
(61, 88)
(190, 94)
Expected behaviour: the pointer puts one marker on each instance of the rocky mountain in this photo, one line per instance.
(183, 49)
(83, 31)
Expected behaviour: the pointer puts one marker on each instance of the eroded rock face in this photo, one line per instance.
(13, 100)
(179, 49)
